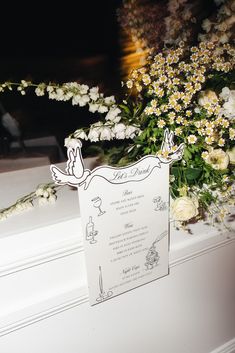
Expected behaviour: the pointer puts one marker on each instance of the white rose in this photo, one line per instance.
(229, 106)
(218, 159)
(184, 208)
(231, 154)
(225, 93)
(206, 97)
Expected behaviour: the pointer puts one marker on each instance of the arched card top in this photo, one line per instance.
(76, 175)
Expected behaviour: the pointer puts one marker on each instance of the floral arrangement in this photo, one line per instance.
(190, 92)
(187, 89)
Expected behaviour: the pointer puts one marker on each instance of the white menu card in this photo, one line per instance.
(125, 221)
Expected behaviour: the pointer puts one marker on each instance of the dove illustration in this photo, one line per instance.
(167, 146)
(74, 174)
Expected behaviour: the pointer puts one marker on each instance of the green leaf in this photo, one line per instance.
(192, 173)
(187, 154)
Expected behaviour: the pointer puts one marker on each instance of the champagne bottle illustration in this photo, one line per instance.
(90, 231)
(102, 295)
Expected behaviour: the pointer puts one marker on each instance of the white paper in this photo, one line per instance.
(124, 214)
(125, 228)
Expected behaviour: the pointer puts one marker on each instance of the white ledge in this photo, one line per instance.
(49, 238)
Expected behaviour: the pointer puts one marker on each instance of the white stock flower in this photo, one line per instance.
(94, 93)
(83, 89)
(39, 91)
(52, 198)
(39, 191)
(218, 159)
(102, 109)
(93, 107)
(83, 100)
(59, 94)
(184, 208)
(76, 99)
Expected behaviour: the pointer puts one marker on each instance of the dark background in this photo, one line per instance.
(52, 42)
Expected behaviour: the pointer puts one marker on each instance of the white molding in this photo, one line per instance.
(204, 250)
(48, 254)
(42, 315)
(72, 246)
(228, 347)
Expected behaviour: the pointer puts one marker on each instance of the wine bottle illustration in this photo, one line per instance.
(90, 231)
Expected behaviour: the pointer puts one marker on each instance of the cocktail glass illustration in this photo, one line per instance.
(97, 203)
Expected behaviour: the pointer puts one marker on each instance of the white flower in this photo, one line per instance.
(131, 131)
(80, 134)
(224, 38)
(197, 110)
(231, 154)
(206, 25)
(102, 109)
(192, 139)
(83, 100)
(93, 107)
(52, 198)
(39, 191)
(119, 131)
(106, 133)
(72, 143)
(76, 99)
(94, 134)
(113, 115)
(83, 89)
(225, 93)
(184, 208)
(39, 91)
(218, 159)
(229, 105)
(109, 100)
(94, 93)
(207, 97)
